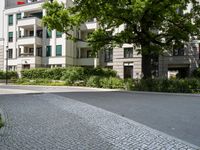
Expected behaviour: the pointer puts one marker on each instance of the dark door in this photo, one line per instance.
(26, 66)
(128, 72)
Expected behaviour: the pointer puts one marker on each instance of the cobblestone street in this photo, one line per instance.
(47, 121)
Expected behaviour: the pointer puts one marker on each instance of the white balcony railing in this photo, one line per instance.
(87, 61)
(29, 40)
(29, 21)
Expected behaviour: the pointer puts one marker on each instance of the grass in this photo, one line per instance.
(1, 122)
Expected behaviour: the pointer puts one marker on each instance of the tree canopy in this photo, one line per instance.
(154, 25)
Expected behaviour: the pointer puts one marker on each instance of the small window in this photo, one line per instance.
(128, 52)
(10, 53)
(10, 20)
(108, 55)
(58, 34)
(58, 50)
(10, 37)
(49, 34)
(19, 16)
(39, 51)
(48, 52)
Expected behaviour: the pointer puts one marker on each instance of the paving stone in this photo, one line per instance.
(47, 121)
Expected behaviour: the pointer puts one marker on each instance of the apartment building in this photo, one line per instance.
(1, 36)
(30, 45)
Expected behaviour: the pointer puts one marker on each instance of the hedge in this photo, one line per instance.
(10, 75)
(70, 74)
(191, 85)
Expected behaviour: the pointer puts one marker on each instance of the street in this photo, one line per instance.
(33, 113)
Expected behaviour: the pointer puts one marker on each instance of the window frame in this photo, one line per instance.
(10, 21)
(128, 55)
(60, 53)
(59, 34)
(48, 51)
(10, 38)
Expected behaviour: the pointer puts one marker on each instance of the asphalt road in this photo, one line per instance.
(175, 115)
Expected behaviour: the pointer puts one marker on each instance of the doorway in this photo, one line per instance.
(128, 72)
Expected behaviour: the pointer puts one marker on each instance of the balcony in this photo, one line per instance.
(29, 40)
(82, 44)
(29, 21)
(89, 26)
(87, 61)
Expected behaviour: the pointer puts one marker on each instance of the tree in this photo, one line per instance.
(154, 25)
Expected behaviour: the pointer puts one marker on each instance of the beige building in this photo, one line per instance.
(181, 61)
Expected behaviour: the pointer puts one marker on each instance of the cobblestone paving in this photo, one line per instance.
(50, 122)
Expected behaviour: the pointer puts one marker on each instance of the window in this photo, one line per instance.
(58, 50)
(178, 51)
(10, 37)
(128, 52)
(49, 34)
(58, 34)
(10, 20)
(108, 55)
(10, 53)
(39, 51)
(48, 54)
(89, 54)
(19, 16)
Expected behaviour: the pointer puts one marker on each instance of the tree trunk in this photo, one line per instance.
(146, 66)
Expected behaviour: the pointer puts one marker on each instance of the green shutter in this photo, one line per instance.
(49, 34)
(10, 20)
(48, 51)
(58, 50)
(58, 34)
(10, 36)
(19, 16)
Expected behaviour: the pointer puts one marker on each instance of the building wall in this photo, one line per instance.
(1, 55)
(119, 61)
(190, 60)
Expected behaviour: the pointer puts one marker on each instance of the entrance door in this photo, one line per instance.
(128, 72)
(27, 66)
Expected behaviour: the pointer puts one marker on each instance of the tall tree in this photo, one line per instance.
(154, 25)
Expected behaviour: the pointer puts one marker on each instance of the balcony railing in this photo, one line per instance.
(26, 55)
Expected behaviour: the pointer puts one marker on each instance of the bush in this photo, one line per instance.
(112, 83)
(168, 85)
(93, 81)
(10, 75)
(102, 72)
(73, 74)
(47, 82)
(196, 73)
(43, 73)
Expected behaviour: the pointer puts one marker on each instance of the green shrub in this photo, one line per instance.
(168, 85)
(43, 73)
(112, 83)
(102, 72)
(196, 73)
(10, 75)
(93, 81)
(73, 74)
